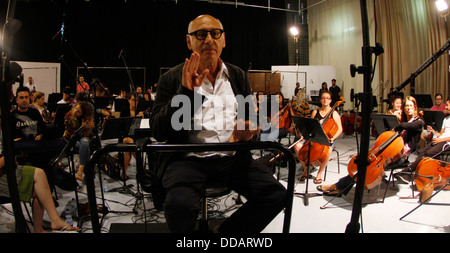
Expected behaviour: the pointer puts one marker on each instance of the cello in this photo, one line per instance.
(388, 148)
(430, 173)
(318, 151)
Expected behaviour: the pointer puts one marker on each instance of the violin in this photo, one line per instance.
(46, 115)
(388, 148)
(284, 119)
(319, 152)
(430, 173)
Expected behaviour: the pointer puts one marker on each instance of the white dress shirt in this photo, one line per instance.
(214, 121)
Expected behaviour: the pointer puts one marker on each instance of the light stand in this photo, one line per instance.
(8, 74)
(366, 70)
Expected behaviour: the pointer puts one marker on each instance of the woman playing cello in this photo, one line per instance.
(321, 114)
(409, 130)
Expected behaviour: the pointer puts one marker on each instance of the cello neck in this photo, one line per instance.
(388, 142)
(338, 103)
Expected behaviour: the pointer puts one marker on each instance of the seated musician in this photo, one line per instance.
(81, 115)
(319, 114)
(438, 106)
(395, 107)
(410, 130)
(39, 104)
(28, 122)
(300, 108)
(66, 99)
(280, 120)
(32, 140)
(439, 143)
(131, 113)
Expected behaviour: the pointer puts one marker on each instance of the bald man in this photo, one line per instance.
(203, 91)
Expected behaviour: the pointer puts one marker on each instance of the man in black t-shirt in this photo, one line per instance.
(28, 124)
(335, 92)
(29, 133)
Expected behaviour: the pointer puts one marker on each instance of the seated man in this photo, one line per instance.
(438, 106)
(439, 143)
(211, 119)
(30, 133)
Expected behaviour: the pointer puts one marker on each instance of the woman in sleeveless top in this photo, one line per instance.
(320, 114)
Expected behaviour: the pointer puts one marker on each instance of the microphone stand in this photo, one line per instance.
(362, 161)
(132, 87)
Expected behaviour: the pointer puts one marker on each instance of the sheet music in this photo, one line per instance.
(145, 123)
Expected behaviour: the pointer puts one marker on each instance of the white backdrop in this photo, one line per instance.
(312, 76)
(46, 76)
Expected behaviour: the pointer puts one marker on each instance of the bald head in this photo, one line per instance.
(203, 17)
(209, 48)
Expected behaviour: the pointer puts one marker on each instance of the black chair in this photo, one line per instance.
(339, 167)
(401, 164)
(147, 183)
(445, 154)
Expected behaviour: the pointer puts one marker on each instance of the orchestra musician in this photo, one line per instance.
(439, 105)
(280, 120)
(440, 141)
(396, 107)
(81, 115)
(410, 130)
(320, 114)
(39, 104)
(133, 101)
(185, 176)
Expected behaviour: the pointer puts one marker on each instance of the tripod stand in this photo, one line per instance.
(118, 128)
(311, 131)
(426, 201)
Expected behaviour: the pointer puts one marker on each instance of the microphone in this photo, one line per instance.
(352, 95)
(56, 35)
(120, 54)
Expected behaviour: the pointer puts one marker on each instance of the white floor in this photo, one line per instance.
(376, 217)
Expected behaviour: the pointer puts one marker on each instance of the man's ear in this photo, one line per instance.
(188, 42)
(224, 41)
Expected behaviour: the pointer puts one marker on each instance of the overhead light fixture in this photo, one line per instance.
(441, 5)
(294, 32)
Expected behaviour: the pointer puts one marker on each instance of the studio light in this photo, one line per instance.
(294, 31)
(441, 5)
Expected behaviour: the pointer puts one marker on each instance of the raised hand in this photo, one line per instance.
(191, 78)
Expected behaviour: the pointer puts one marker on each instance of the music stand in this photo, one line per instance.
(423, 100)
(53, 98)
(58, 122)
(118, 128)
(144, 105)
(121, 105)
(384, 122)
(312, 131)
(434, 119)
(101, 102)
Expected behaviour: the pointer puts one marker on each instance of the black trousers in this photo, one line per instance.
(185, 182)
(429, 151)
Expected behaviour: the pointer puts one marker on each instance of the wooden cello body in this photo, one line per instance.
(388, 148)
(430, 173)
(319, 152)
